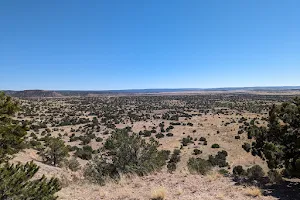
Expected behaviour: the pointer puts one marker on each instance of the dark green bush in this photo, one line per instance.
(197, 151)
(172, 163)
(215, 146)
(16, 183)
(86, 153)
(246, 147)
(169, 134)
(219, 159)
(238, 171)
(55, 151)
(255, 173)
(159, 135)
(128, 154)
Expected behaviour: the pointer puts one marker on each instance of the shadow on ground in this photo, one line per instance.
(287, 190)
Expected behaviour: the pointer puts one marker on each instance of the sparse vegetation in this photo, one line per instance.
(199, 165)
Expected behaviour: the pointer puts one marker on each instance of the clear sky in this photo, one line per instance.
(135, 44)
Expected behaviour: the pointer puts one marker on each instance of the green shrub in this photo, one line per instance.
(215, 146)
(73, 164)
(224, 172)
(255, 173)
(186, 141)
(55, 151)
(16, 183)
(16, 180)
(175, 158)
(86, 153)
(274, 176)
(99, 139)
(169, 134)
(219, 159)
(99, 170)
(246, 147)
(238, 171)
(197, 151)
(159, 135)
(199, 165)
(128, 154)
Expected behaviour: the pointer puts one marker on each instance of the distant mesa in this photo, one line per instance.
(35, 93)
(90, 93)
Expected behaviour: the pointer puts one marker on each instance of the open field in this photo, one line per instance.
(199, 119)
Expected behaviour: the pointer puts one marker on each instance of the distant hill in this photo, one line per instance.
(34, 93)
(62, 93)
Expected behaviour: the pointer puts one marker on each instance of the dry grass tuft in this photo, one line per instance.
(213, 176)
(158, 194)
(220, 196)
(253, 192)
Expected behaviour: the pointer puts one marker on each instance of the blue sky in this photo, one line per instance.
(98, 45)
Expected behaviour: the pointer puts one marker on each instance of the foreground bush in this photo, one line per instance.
(128, 154)
(15, 180)
(99, 170)
(278, 144)
(15, 183)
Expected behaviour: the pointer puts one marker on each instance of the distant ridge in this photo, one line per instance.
(34, 93)
(61, 93)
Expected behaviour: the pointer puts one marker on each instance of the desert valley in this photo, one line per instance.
(181, 145)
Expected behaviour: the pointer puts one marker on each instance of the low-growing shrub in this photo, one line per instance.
(274, 176)
(85, 153)
(128, 154)
(99, 139)
(169, 134)
(255, 173)
(224, 172)
(238, 171)
(73, 164)
(175, 158)
(219, 159)
(199, 165)
(215, 146)
(246, 147)
(197, 151)
(159, 135)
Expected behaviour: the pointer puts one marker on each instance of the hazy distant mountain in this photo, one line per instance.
(61, 93)
(34, 93)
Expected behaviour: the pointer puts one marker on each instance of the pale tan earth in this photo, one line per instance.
(181, 185)
(177, 186)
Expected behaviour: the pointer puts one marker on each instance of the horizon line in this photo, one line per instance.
(134, 89)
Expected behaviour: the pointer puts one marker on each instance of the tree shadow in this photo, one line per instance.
(286, 190)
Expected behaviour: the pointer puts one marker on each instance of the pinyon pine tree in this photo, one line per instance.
(16, 180)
